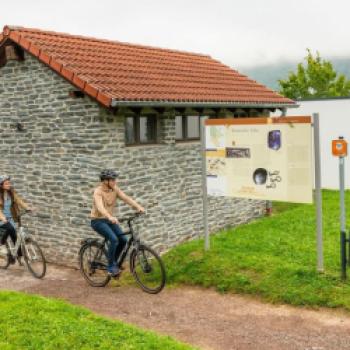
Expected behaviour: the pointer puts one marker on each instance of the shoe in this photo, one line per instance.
(19, 259)
(113, 271)
(12, 259)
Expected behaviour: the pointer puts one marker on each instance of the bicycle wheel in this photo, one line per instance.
(93, 264)
(4, 256)
(34, 258)
(148, 269)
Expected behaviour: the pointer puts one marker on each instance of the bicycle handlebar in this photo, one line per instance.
(31, 212)
(130, 218)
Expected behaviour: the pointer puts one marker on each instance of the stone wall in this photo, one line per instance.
(64, 142)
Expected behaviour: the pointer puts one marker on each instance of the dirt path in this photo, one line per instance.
(199, 317)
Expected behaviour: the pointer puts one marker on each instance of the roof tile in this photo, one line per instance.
(91, 90)
(34, 50)
(67, 73)
(80, 83)
(55, 65)
(102, 98)
(44, 57)
(24, 43)
(13, 35)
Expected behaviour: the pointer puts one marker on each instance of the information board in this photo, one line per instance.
(260, 158)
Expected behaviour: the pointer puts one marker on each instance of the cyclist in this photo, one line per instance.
(104, 222)
(10, 204)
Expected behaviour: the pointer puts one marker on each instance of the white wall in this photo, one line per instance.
(334, 122)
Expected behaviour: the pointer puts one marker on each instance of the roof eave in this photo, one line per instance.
(119, 103)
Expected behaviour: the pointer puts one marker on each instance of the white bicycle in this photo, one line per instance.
(32, 253)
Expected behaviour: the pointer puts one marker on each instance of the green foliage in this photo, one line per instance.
(273, 257)
(35, 323)
(315, 79)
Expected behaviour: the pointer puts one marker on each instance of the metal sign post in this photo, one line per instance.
(339, 149)
(342, 218)
(204, 186)
(318, 192)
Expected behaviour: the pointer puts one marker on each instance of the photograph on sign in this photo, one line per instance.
(260, 158)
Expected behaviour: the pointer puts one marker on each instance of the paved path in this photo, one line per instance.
(201, 317)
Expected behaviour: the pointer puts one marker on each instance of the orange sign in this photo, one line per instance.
(339, 148)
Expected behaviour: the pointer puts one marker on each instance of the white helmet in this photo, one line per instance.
(4, 178)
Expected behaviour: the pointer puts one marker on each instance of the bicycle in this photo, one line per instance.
(146, 266)
(32, 254)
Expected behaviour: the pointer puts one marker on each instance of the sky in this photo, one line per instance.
(239, 33)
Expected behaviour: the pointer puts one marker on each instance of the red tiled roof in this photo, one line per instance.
(113, 71)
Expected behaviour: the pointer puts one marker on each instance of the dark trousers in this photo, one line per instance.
(9, 230)
(114, 234)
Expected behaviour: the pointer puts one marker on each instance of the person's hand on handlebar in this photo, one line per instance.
(113, 220)
(140, 209)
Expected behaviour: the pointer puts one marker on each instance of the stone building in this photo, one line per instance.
(70, 106)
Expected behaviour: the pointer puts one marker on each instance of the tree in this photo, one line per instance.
(315, 79)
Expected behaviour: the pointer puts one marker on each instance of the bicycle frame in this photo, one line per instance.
(126, 249)
(20, 238)
(130, 242)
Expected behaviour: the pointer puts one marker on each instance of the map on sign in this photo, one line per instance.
(216, 136)
(260, 158)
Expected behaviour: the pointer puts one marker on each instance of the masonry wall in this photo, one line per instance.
(65, 142)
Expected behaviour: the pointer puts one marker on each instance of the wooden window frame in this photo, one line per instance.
(184, 127)
(136, 128)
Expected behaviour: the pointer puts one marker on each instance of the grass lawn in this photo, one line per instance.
(273, 257)
(30, 322)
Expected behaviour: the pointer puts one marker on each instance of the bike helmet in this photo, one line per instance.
(108, 174)
(4, 178)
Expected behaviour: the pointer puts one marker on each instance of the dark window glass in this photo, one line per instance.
(130, 130)
(187, 127)
(193, 127)
(147, 129)
(178, 127)
(140, 129)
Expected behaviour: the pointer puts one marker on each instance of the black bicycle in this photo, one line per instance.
(145, 264)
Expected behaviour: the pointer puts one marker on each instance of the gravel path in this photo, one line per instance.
(203, 318)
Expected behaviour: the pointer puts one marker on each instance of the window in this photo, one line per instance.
(187, 128)
(140, 130)
(241, 113)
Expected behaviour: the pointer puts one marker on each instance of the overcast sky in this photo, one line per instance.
(239, 33)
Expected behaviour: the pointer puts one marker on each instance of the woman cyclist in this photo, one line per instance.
(103, 220)
(10, 205)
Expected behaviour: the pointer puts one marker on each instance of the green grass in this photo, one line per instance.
(31, 322)
(273, 257)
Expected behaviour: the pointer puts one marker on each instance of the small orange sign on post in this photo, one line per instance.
(340, 147)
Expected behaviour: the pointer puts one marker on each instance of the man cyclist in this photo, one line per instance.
(104, 222)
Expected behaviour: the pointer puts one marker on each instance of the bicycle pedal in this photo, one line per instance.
(114, 275)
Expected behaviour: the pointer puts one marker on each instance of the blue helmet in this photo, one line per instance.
(108, 174)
